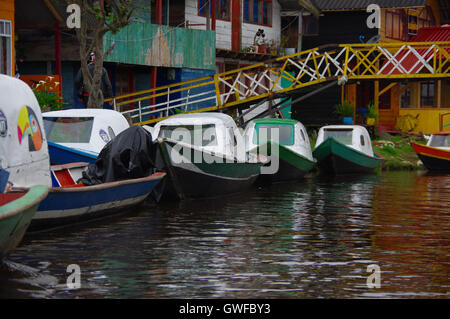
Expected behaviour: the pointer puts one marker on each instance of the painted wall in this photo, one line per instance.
(223, 28)
(428, 120)
(159, 45)
(7, 13)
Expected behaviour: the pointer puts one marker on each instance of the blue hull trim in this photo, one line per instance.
(69, 205)
(60, 154)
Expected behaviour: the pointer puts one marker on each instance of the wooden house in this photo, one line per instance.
(400, 21)
(7, 36)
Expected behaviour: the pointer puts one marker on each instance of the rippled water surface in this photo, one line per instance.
(310, 239)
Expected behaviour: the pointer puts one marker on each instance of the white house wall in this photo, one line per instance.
(223, 28)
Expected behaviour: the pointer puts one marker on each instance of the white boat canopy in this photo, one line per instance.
(218, 131)
(440, 140)
(293, 131)
(23, 145)
(84, 129)
(354, 136)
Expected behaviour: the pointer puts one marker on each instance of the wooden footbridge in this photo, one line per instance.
(255, 84)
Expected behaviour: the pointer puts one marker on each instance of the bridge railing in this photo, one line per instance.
(306, 68)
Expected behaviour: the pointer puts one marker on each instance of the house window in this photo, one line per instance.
(258, 11)
(5, 47)
(222, 9)
(396, 24)
(405, 97)
(426, 18)
(384, 99)
(427, 90)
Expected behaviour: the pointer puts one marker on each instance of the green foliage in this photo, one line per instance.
(48, 101)
(372, 111)
(344, 109)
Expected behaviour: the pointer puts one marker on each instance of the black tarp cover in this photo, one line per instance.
(129, 155)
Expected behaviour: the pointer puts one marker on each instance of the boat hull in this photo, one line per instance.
(60, 155)
(214, 178)
(67, 205)
(291, 165)
(15, 217)
(337, 158)
(433, 158)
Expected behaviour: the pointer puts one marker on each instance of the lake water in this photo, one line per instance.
(309, 239)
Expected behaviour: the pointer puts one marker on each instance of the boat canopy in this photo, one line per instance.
(292, 135)
(440, 140)
(23, 145)
(84, 129)
(218, 131)
(354, 136)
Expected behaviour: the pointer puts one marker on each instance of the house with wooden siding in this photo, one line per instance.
(154, 49)
(7, 36)
(400, 21)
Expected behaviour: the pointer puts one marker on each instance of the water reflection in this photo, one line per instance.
(310, 239)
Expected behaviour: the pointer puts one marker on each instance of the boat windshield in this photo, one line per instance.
(68, 129)
(440, 141)
(341, 135)
(198, 135)
(264, 134)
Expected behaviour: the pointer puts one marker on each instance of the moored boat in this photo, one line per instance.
(78, 135)
(16, 211)
(201, 155)
(436, 154)
(290, 151)
(345, 149)
(71, 202)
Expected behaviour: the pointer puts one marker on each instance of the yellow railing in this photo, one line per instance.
(263, 80)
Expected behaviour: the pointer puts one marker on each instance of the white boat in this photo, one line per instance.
(343, 149)
(291, 150)
(23, 145)
(201, 154)
(436, 154)
(78, 135)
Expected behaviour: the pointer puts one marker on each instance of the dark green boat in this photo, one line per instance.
(16, 211)
(291, 156)
(206, 170)
(345, 149)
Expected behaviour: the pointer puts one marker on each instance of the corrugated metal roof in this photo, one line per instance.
(335, 5)
(435, 34)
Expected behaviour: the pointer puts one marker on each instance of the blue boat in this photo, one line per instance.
(60, 154)
(69, 202)
(78, 135)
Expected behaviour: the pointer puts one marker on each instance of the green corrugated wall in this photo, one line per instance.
(159, 45)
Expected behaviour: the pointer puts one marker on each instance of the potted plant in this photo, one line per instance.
(345, 111)
(47, 100)
(371, 115)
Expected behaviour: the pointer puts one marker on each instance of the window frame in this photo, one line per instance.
(260, 12)
(218, 9)
(428, 84)
(389, 33)
(9, 47)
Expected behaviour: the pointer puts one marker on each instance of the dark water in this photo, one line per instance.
(311, 239)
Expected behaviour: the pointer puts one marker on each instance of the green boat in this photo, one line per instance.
(16, 211)
(198, 153)
(290, 153)
(345, 149)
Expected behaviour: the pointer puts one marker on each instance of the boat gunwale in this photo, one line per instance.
(76, 188)
(375, 155)
(261, 159)
(314, 160)
(24, 198)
